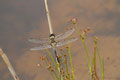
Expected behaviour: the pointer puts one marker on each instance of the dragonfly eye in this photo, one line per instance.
(52, 35)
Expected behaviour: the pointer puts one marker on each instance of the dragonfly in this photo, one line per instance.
(53, 41)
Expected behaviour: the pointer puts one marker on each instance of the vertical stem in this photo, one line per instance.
(99, 57)
(56, 75)
(52, 74)
(82, 38)
(51, 58)
(48, 16)
(77, 28)
(95, 72)
(66, 64)
(73, 76)
(57, 65)
(59, 68)
(94, 64)
(103, 71)
(101, 65)
(87, 56)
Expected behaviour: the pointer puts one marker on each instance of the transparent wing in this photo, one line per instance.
(64, 42)
(46, 40)
(41, 47)
(65, 35)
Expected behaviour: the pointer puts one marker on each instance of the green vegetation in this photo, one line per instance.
(62, 70)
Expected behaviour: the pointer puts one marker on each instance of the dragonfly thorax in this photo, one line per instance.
(52, 40)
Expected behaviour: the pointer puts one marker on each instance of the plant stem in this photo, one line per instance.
(66, 64)
(83, 42)
(55, 75)
(87, 56)
(52, 74)
(52, 58)
(9, 65)
(103, 71)
(73, 76)
(60, 71)
(101, 65)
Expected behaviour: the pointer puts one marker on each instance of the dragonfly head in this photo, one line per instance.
(52, 36)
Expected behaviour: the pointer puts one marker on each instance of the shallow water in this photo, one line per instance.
(20, 20)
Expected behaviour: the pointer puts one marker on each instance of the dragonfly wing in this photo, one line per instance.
(46, 40)
(64, 42)
(41, 47)
(65, 35)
